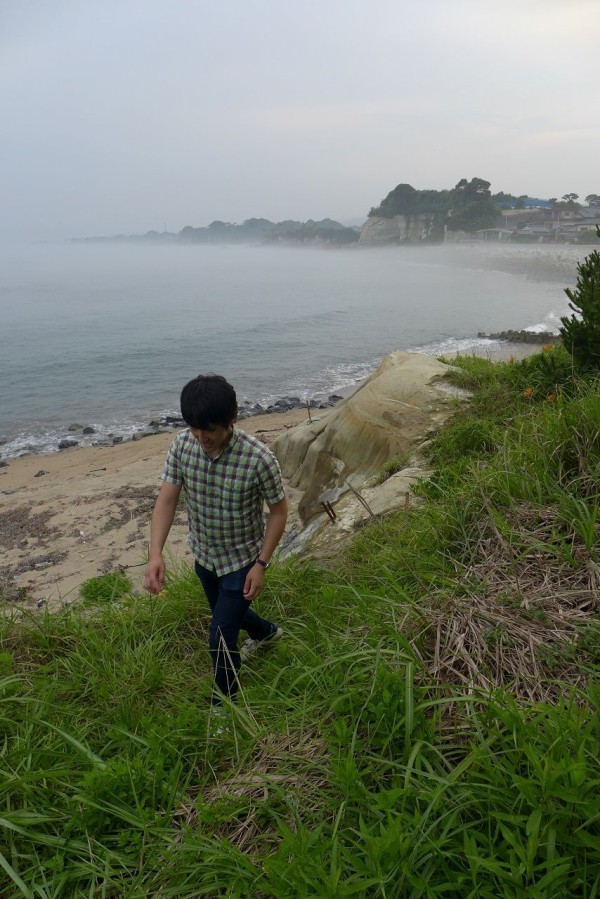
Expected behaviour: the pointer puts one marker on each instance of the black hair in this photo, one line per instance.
(208, 400)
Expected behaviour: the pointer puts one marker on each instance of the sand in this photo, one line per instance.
(69, 516)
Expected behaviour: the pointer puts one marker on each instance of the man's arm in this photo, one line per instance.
(275, 527)
(162, 519)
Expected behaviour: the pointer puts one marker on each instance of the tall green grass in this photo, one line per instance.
(348, 768)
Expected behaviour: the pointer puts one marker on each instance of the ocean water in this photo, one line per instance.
(107, 334)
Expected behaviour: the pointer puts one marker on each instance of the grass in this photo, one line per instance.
(106, 587)
(391, 468)
(429, 726)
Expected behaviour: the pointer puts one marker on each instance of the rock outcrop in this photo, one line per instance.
(394, 411)
(379, 230)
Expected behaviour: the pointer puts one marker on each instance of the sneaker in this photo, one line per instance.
(250, 646)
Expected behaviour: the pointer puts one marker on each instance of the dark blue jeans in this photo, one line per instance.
(231, 612)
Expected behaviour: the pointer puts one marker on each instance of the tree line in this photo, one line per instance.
(469, 206)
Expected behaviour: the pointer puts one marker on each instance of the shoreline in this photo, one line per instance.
(71, 515)
(79, 436)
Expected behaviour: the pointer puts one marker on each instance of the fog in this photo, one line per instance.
(133, 115)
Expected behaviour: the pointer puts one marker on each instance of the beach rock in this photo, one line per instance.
(118, 439)
(285, 404)
(3, 463)
(40, 473)
(322, 538)
(141, 434)
(75, 427)
(522, 336)
(399, 406)
(89, 430)
(67, 443)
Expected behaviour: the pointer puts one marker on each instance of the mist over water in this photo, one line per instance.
(107, 334)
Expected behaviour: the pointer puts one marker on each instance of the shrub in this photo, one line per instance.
(106, 587)
(581, 332)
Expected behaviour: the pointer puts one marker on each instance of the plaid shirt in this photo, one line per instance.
(224, 497)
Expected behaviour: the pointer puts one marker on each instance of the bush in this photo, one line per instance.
(106, 587)
(581, 332)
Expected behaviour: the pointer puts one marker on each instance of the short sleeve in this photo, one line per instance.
(269, 477)
(172, 473)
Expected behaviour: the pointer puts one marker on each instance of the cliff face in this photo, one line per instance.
(389, 416)
(378, 230)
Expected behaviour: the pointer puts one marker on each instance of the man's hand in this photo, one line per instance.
(254, 582)
(162, 519)
(154, 579)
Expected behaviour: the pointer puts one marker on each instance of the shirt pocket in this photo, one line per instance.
(234, 497)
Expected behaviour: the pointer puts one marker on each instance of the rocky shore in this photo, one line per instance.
(523, 336)
(72, 515)
(79, 435)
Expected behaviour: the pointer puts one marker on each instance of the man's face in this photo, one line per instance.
(213, 439)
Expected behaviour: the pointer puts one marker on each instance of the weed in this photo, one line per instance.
(429, 726)
(390, 468)
(106, 587)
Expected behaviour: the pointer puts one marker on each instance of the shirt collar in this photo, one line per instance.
(232, 441)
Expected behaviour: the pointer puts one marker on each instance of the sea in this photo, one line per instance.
(104, 335)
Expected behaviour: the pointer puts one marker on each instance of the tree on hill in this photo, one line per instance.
(593, 199)
(504, 200)
(570, 201)
(472, 191)
(405, 200)
(473, 208)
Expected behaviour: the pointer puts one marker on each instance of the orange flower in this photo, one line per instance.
(551, 398)
(528, 391)
(546, 348)
(511, 360)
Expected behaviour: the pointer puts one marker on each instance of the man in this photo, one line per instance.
(226, 476)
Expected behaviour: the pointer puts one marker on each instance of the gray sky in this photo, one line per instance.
(119, 116)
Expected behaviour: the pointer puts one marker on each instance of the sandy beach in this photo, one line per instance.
(72, 515)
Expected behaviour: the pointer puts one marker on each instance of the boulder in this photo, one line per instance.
(402, 403)
(67, 443)
(323, 537)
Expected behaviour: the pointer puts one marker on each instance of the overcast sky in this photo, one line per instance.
(120, 116)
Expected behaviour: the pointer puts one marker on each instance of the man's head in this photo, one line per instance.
(208, 400)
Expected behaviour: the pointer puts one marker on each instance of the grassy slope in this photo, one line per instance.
(428, 728)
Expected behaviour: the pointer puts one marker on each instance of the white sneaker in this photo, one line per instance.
(250, 646)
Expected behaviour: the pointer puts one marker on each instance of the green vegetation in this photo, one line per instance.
(391, 467)
(580, 332)
(467, 207)
(429, 726)
(106, 587)
(327, 231)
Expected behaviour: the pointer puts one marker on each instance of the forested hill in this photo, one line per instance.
(260, 230)
(469, 206)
